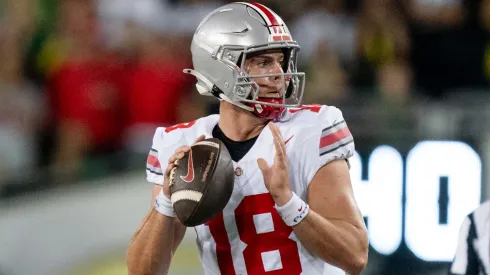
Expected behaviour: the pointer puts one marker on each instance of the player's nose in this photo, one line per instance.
(277, 80)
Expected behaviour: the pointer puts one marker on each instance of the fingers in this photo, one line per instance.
(174, 159)
(171, 177)
(169, 168)
(263, 166)
(183, 149)
(179, 153)
(276, 133)
(278, 142)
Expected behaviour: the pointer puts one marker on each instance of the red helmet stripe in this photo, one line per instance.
(271, 16)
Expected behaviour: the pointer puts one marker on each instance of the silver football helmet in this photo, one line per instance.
(220, 46)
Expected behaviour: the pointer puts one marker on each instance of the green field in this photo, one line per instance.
(185, 262)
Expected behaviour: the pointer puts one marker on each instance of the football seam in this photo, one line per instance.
(207, 186)
(186, 194)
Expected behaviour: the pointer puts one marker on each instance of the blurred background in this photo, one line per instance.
(84, 84)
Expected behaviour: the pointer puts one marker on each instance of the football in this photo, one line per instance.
(202, 182)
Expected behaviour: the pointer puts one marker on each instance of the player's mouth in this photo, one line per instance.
(272, 95)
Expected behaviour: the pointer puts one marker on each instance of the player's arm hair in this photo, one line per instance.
(154, 242)
(334, 229)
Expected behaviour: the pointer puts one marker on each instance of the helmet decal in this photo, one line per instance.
(270, 17)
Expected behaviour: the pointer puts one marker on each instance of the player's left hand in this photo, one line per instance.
(276, 177)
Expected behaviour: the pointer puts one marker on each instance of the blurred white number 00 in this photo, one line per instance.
(380, 196)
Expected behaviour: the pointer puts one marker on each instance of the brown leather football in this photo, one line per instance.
(202, 183)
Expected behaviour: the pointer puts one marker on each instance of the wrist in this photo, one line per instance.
(282, 198)
(164, 205)
(293, 211)
(166, 192)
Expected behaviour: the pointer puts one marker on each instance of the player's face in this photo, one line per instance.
(270, 62)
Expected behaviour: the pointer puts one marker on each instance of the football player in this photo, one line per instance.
(292, 210)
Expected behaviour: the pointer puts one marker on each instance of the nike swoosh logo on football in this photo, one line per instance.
(190, 170)
(286, 142)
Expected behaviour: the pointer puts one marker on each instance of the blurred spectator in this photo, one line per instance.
(382, 39)
(43, 53)
(159, 93)
(20, 105)
(176, 17)
(395, 82)
(20, 14)
(157, 89)
(326, 79)
(113, 68)
(389, 107)
(325, 21)
(288, 10)
(437, 14)
(86, 97)
(448, 44)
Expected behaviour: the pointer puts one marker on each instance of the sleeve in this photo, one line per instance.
(328, 139)
(465, 260)
(154, 169)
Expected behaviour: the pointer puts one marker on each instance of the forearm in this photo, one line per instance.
(151, 248)
(335, 241)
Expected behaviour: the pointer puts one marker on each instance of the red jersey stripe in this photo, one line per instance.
(334, 137)
(223, 247)
(153, 161)
(270, 15)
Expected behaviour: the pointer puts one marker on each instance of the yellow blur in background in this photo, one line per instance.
(185, 261)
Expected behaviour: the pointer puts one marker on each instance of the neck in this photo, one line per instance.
(239, 124)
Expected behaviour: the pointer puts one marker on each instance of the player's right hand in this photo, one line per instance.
(173, 162)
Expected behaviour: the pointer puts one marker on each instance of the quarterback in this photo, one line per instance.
(292, 210)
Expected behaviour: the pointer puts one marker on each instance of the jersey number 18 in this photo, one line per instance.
(257, 243)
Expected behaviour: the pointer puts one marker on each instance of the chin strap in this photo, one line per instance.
(266, 111)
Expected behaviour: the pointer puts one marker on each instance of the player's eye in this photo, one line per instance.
(262, 64)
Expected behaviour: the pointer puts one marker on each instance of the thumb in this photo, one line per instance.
(263, 166)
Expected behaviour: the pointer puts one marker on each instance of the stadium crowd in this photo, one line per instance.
(84, 83)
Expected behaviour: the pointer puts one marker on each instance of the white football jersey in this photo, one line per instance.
(249, 236)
